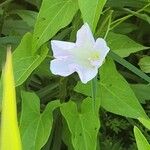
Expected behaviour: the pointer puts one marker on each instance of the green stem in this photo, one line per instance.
(5, 3)
(94, 90)
(120, 20)
(108, 28)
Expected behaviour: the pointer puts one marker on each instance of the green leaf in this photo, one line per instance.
(117, 96)
(24, 61)
(37, 3)
(127, 3)
(145, 64)
(123, 45)
(139, 15)
(114, 93)
(125, 28)
(141, 141)
(83, 125)
(15, 27)
(145, 122)
(141, 91)
(53, 16)
(27, 15)
(91, 11)
(104, 24)
(10, 134)
(66, 136)
(2, 56)
(35, 126)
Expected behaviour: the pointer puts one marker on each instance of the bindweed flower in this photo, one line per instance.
(84, 57)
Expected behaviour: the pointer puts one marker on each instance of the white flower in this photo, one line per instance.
(84, 57)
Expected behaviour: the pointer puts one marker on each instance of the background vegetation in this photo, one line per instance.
(120, 88)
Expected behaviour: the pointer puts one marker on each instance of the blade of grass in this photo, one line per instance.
(94, 90)
(129, 66)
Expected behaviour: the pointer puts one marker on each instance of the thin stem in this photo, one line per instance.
(120, 20)
(108, 28)
(94, 90)
(5, 3)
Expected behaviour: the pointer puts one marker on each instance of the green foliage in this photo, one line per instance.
(145, 122)
(142, 143)
(53, 16)
(83, 124)
(25, 61)
(28, 16)
(141, 91)
(35, 127)
(91, 11)
(123, 45)
(145, 64)
(113, 91)
(100, 114)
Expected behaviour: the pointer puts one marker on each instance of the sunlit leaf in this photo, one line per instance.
(141, 141)
(145, 122)
(24, 61)
(53, 16)
(123, 45)
(10, 136)
(91, 11)
(83, 124)
(35, 126)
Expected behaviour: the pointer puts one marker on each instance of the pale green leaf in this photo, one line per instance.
(145, 122)
(35, 126)
(141, 141)
(83, 124)
(10, 135)
(53, 16)
(91, 11)
(24, 61)
(145, 64)
(123, 45)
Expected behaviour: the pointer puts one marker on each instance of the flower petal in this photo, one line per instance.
(86, 74)
(102, 48)
(62, 67)
(85, 36)
(61, 48)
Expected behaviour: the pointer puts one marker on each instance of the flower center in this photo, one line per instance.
(87, 56)
(94, 58)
